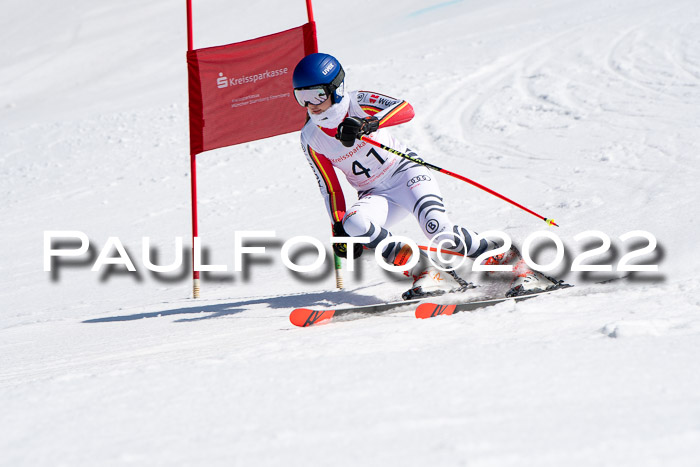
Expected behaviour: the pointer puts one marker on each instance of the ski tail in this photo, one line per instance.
(304, 317)
(430, 310)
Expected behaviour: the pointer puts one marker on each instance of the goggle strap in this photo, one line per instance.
(338, 80)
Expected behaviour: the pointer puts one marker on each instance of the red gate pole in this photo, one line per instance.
(193, 171)
(338, 263)
(309, 11)
(310, 14)
(195, 274)
(189, 25)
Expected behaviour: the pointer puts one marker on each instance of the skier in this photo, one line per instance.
(389, 187)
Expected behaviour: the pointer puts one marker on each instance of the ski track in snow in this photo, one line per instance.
(586, 112)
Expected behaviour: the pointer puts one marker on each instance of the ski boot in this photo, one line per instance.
(525, 280)
(428, 280)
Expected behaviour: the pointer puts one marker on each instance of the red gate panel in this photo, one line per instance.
(243, 92)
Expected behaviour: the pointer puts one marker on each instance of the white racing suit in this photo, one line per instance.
(389, 187)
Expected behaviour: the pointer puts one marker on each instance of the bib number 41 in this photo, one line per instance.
(359, 169)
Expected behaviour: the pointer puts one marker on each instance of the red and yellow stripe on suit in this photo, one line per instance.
(402, 113)
(336, 198)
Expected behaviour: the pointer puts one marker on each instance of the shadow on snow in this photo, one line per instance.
(320, 299)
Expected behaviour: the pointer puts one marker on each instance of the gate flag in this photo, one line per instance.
(243, 92)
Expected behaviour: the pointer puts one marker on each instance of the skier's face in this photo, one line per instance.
(319, 108)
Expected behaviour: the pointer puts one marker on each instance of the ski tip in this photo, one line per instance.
(430, 310)
(304, 317)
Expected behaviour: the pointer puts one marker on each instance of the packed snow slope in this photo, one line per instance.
(584, 111)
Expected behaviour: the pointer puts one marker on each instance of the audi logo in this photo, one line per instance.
(419, 178)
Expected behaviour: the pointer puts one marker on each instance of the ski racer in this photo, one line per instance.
(389, 187)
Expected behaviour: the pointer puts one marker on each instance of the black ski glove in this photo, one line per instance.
(353, 127)
(341, 249)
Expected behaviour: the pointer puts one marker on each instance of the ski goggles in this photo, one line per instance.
(313, 95)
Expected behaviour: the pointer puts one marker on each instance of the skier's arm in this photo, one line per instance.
(388, 110)
(328, 183)
(382, 111)
(352, 128)
(397, 114)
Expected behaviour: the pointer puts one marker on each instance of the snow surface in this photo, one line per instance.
(584, 111)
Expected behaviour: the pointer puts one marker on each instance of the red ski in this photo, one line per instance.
(430, 310)
(304, 317)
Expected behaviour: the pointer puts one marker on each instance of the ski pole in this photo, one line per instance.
(457, 176)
